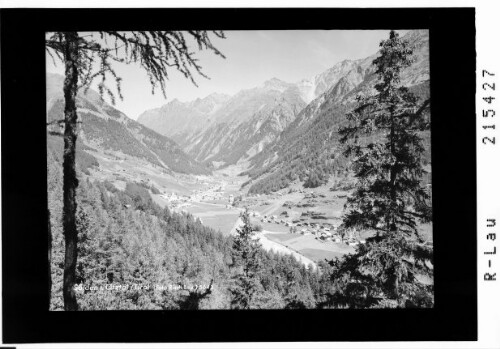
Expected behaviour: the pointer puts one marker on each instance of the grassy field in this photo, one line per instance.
(318, 255)
(326, 203)
(218, 218)
(279, 228)
(224, 224)
(310, 247)
(280, 237)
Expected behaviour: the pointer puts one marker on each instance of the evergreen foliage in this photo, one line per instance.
(389, 197)
(157, 52)
(246, 256)
(124, 238)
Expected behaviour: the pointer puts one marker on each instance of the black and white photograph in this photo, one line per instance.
(278, 169)
(295, 175)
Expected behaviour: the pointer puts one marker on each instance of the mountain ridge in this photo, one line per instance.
(251, 121)
(308, 148)
(105, 128)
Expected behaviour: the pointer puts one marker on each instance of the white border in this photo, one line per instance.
(488, 175)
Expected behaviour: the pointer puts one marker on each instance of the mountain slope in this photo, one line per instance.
(317, 85)
(308, 149)
(237, 129)
(177, 119)
(250, 121)
(256, 125)
(106, 128)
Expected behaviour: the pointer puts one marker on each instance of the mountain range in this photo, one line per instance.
(308, 150)
(222, 130)
(236, 128)
(281, 131)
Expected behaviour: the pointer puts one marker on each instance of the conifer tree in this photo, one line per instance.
(89, 57)
(246, 257)
(383, 139)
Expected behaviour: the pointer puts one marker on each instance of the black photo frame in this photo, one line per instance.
(26, 318)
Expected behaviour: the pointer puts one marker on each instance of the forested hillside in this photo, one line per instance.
(308, 149)
(311, 154)
(126, 239)
(135, 232)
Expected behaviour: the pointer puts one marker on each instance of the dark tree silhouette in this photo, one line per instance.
(383, 137)
(193, 299)
(49, 255)
(246, 255)
(89, 57)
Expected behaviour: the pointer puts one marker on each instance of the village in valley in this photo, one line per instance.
(296, 221)
(286, 222)
(303, 222)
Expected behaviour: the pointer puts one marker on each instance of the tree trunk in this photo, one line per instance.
(49, 252)
(392, 227)
(69, 171)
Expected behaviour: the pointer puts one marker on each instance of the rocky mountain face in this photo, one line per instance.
(310, 143)
(258, 126)
(317, 85)
(234, 130)
(239, 127)
(177, 119)
(105, 128)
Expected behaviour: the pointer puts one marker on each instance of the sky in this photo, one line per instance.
(252, 57)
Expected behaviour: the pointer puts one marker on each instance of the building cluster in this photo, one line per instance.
(214, 192)
(321, 231)
(176, 201)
